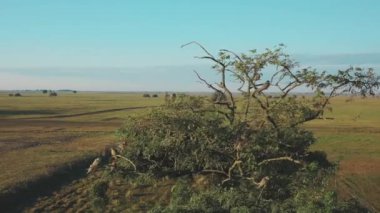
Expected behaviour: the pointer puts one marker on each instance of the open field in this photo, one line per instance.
(39, 134)
(352, 138)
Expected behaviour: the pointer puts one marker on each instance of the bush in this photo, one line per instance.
(17, 95)
(183, 142)
(53, 94)
(146, 95)
(10, 95)
(253, 151)
(155, 96)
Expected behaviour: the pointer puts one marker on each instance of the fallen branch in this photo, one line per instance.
(262, 184)
(279, 159)
(134, 166)
(94, 165)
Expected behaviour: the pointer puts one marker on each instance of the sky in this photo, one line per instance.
(124, 45)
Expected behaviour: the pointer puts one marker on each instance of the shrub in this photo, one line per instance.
(17, 95)
(146, 95)
(254, 150)
(53, 94)
(155, 96)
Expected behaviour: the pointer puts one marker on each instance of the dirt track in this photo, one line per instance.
(94, 113)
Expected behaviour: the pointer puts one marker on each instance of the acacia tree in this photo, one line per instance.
(251, 146)
(248, 70)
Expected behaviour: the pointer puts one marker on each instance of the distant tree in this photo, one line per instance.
(155, 96)
(74, 91)
(173, 96)
(44, 91)
(146, 95)
(170, 98)
(53, 94)
(18, 95)
(10, 95)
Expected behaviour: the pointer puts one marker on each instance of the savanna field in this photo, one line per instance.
(43, 136)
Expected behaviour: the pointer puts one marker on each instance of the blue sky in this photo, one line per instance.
(135, 45)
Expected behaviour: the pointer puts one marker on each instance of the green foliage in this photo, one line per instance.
(98, 192)
(179, 133)
(181, 193)
(253, 151)
(143, 180)
(99, 189)
(182, 142)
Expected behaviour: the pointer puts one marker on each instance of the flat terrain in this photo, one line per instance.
(39, 134)
(352, 138)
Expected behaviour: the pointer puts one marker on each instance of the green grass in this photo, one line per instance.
(39, 133)
(37, 105)
(352, 138)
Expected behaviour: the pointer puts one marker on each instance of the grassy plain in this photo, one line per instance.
(40, 133)
(352, 138)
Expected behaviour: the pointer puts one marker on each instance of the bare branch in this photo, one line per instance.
(291, 73)
(233, 53)
(280, 159)
(208, 84)
(122, 157)
(235, 164)
(290, 88)
(213, 59)
(199, 45)
(262, 184)
(262, 87)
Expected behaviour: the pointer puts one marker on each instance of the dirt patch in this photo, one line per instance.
(360, 167)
